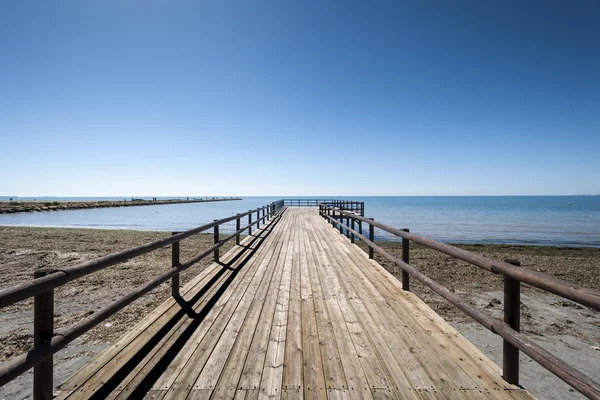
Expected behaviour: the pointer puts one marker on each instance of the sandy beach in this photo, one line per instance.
(570, 330)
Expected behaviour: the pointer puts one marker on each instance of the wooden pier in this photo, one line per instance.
(294, 311)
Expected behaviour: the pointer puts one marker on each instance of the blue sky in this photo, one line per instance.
(159, 98)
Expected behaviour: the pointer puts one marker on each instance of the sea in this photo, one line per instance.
(530, 220)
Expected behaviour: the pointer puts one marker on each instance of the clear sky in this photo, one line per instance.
(158, 98)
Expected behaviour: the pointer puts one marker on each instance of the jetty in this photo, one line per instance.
(11, 207)
(294, 310)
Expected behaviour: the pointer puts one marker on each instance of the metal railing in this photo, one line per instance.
(514, 341)
(357, 207)
(47, 341)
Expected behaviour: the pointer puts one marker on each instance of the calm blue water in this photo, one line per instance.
(543, 220)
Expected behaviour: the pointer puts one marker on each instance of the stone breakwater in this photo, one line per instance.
(43, 206)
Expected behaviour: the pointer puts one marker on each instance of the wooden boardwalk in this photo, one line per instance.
(295, 311)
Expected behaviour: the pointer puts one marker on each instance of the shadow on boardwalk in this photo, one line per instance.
(188, 310)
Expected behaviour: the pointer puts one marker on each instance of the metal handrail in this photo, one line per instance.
(585, 296)
(58, 278)
(513, 339)
(43, 288)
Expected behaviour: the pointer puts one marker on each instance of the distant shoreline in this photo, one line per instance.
(13, 207)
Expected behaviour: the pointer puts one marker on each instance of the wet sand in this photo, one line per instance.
(571, 331)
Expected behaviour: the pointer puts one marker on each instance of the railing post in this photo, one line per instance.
(406, 259)
(352, 233)
(237, 228)
(512, 316)
(249, 223)
(341, 222)
(257, 219)
(174, 264)
(43, 330)
(216, 234)
(348, 225)
(371, 238)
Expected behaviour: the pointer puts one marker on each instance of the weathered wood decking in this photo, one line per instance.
(295, 311)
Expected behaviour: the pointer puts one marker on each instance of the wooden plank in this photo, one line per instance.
(163, 312)
(272, 376)
(61, 394)
(199, 394)
(307, 316)
(355, 377)
(415, 324)
(167, 379)
(402, 369)
(293, 394)
(240, 395)
(239, 343)
(292, 377)
(374, 371)
(313, 378)
(208, 335)
(433, 332)
(478, 361)
(174, 315)
(129, 385)
(333, 370)
(143, 368)
(157, 317)
(479, 366)
(129, 343)
(155, 395)
(339, 394)
(254, 364)
(211, 372)
(384, 394)
(228, 381)
(439, 369)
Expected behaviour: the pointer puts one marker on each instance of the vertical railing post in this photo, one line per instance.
(341, 222)
(237, 228)
(216, 237)
(512, 317)
(406, 259)
(174, 264)
(249, 223)
(257, 219)
(371, 238)
(348, 225)
(43, 330)
(352, 233)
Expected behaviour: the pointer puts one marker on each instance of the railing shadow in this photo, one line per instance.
(187, 311)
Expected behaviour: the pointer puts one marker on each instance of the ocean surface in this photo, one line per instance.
(535, 220)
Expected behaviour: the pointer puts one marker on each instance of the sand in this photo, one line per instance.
(569, 330)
